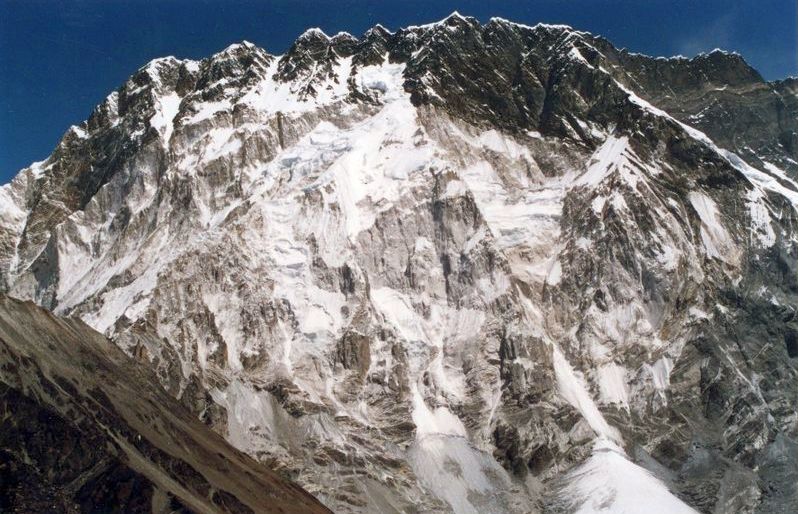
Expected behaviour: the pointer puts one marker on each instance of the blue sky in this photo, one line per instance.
(60, 58)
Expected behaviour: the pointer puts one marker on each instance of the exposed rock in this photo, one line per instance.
(456, 267)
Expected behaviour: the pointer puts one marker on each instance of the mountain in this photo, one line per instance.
(453, 268)
(86, 429)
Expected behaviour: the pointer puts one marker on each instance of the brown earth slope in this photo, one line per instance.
(84, 428)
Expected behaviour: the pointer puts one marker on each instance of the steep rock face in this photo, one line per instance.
(456, 267)
(721, 95)
(86, 429)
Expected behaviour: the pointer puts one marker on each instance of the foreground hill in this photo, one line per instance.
(84, 428)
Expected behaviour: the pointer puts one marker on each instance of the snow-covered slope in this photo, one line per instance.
(458, 267)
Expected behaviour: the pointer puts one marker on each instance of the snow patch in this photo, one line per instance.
(612, 384)
(555, 273)
(661, 373)
(716, 240)
(573, 390)
(163, 119)
(761, 223)
(470, 481)
(603, 161)
(609, 482)
(439, 420)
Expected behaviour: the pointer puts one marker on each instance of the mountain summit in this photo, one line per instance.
(459, 267)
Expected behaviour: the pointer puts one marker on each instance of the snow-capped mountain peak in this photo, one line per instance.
(456, 267)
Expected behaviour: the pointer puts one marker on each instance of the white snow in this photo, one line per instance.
(555, 273)
(441, 456)
(572, 388)
(439, 420)
(538, 25)
(660, 373)
(455, 188)
(313, 31)
(208, 110)
(498, 142)
(520, 213)
(439, 23)
(470, 481)
(360, 174)
(271, 96)
(386, 78)
(773, 180)
(191, 66)
(370, 164)
(604, 160)
(360, 167)
(716, 240)
(609, 483)
(163, 119)
(668, 256)
(112, 104)
(219, 142)
(85, 281)
(612, 384)
(575, 54)
(598, 204)
(12, 212)
(618, 202)
(584, 243)
(79, 131)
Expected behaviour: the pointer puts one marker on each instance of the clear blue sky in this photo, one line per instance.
(59, 58)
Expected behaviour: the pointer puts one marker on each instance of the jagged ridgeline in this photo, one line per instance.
(459, 267)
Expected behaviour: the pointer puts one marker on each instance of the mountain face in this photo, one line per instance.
(453, 268)
(86, 429)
